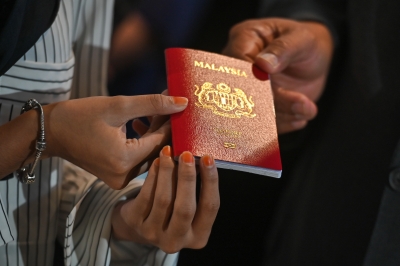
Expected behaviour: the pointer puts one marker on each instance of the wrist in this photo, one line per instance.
(53, 146)
(18, 141)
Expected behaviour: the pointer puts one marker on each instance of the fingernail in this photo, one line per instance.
(157, 162)
(270, 58)
(166, 151)
(180, 100)
(187, 157)
(208, 161)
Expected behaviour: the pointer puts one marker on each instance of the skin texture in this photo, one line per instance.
(90, 133)
(296, 54)
(165, 212)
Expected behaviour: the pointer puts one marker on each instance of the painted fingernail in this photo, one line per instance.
(166, 151)
(208, 161)
(157, 162)
(270, 59)
(187, 157)
(180, 100)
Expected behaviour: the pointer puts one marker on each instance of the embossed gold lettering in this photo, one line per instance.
(198, 64)
(229, 145)
(228, 132)
(224, 69)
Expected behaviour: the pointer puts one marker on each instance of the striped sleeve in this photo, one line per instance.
(5, 229)
(87, 230)
(92, 34)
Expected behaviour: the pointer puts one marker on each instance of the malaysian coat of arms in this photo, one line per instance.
(223, 101)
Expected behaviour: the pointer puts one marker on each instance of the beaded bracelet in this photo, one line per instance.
(27, 175)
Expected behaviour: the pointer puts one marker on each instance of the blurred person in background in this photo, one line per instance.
(333, 68)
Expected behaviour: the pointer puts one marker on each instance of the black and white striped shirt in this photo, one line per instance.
(68, 60)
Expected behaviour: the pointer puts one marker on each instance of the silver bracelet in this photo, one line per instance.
(26, 174)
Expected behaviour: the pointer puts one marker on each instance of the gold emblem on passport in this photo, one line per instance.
(229, 145)
(222, 101)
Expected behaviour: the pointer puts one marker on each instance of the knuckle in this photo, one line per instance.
(185, 212)
(119, 103)
(199, 243)
(163, 201)
(212, 206)
(171, 247)
(166, 164)
(158, 101)
(187, 175)
(145, 197)
(150, 235)
(280, 45)
(242, 27)
(212, 176)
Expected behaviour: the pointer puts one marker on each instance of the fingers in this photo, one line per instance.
(157, 121)
(148, 145)
(165, 212)
(189, 225)
(294, 43)
(247, 40)
(165, 191)
(274, 44)
(293, 110)
(144, 201)
(185, 201)
(208, 204)
(139, 127)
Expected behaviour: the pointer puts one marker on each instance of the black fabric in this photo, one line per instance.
(331, 13)
(385, 241)
(328, 209)
(22, 22)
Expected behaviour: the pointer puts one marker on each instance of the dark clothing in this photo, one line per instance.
(334, 204)
(22, 22)
(329, 208)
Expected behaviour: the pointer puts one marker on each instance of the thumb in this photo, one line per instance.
(130, 107)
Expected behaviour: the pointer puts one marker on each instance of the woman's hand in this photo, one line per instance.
(90, 133)
(165, 212)
(296, 54)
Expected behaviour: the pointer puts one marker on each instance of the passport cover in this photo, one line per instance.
(230, 114)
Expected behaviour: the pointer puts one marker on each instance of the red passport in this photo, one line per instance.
(230, 114)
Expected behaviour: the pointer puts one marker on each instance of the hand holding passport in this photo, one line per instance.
(230, 114)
